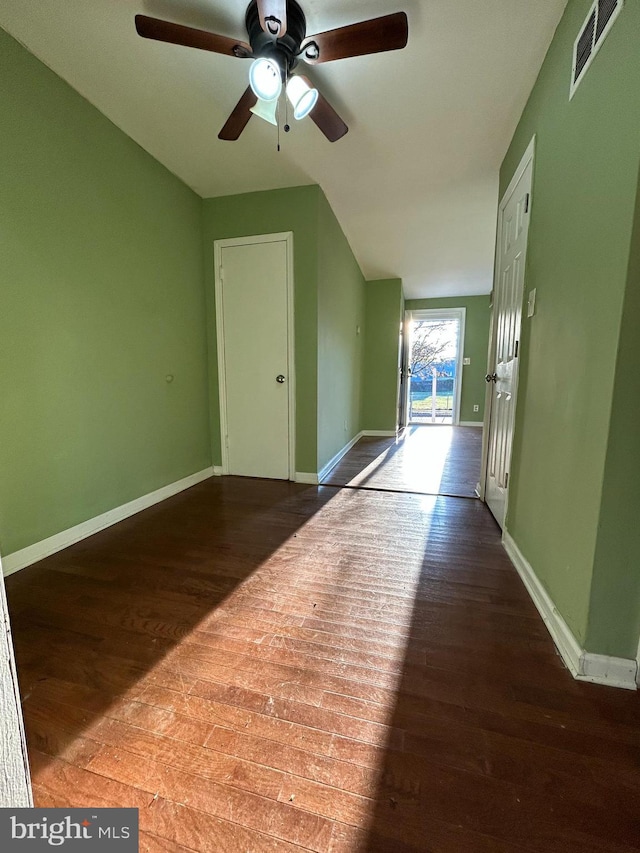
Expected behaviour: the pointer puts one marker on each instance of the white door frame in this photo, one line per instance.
(527, 158)
(405, 379)
(458, 314)
(218, 246)
(401, 414)
(15, 780)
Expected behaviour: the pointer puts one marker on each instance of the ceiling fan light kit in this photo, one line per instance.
(302, 96)
(265, 78)
(277, 42)
(266, 110)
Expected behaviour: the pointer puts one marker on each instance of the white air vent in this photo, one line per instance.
(594, 31)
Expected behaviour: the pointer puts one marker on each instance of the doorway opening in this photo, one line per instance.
(434, 354)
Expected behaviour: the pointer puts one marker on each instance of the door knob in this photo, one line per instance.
(280, 379)
(491, 377)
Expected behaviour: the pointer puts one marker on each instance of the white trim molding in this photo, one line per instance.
(307, 478)
(33, 553)
(471, 423)
(314, 479)
(583, 665)
(603, 669)
(331, 464)
(15, 780)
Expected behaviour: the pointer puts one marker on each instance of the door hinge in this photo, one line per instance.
(517, 348)
(526, 204)
(221, 273)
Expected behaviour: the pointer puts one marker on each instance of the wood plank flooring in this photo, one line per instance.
(263, 666)
(436, 460)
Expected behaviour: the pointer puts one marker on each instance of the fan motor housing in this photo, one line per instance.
(284, 50)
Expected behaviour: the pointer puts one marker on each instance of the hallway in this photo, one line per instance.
(264, 666)
(434, 460)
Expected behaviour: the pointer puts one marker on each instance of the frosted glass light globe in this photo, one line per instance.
(303, 98)
(265, 79)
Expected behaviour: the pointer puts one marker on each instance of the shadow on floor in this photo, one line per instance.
(261, 666)
(493, 746)
(92, 622)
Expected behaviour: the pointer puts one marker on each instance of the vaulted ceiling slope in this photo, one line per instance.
(413, 183)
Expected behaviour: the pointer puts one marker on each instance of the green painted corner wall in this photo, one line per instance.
(614, 612)
(269, 212)
(476, 347)
(341, 332)
(583, 201)
(384, 312)
(101, 299)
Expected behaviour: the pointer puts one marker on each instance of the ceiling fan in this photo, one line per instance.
(277, 42)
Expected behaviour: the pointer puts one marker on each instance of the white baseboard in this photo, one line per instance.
(314, 479)
(217, 471)
(38, 551)
(308, 479)
(583, 665)
(331, 464)
(603, 669)
(471, 423)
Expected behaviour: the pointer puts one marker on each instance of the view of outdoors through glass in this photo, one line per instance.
(434, 353)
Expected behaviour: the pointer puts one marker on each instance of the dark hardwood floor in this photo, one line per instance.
(434, 459)
(263, 666)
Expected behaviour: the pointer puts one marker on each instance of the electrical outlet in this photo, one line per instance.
(476, 408)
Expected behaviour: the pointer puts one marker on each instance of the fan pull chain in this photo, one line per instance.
(286, 106)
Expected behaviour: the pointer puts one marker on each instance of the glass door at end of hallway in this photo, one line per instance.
(433, 367)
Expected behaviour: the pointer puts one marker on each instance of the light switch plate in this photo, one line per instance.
(466, 361)
(531, 303)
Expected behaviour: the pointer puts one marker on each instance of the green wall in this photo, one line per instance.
(614, 614)
(341, 320)
(328, 306)
(101, 298)
(384, 312)
(583, 202)
(476, 347)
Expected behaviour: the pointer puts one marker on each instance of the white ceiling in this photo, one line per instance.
(414, 182)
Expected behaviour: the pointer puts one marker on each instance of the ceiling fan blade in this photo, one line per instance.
(273, 16)
(239, 117)
(154, 28)
(326, 118)
(389, 32)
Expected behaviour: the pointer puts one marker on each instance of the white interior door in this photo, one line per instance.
(254, 349)
(513, 229)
